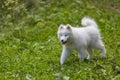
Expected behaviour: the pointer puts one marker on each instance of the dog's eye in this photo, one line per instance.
(65, 35)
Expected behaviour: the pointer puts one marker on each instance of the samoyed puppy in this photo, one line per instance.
(80, 39)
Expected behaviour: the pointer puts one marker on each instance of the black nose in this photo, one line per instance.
(61, 40)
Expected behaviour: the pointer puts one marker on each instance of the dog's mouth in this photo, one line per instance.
(63, 42)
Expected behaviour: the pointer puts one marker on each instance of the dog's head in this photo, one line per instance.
(64, 33)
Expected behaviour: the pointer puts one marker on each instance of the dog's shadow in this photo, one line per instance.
(73, 61)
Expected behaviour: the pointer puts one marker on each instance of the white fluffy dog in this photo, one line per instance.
(80, 39)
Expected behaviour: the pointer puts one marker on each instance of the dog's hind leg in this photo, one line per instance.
(81, 54)
(99, 45)
(103, 51)
(90, 53)
(65, 55)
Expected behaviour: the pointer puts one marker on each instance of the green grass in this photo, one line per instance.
(30, 50)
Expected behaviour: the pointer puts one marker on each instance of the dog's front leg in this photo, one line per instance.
(65, 55)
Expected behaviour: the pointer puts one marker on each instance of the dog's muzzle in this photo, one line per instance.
(63, 42)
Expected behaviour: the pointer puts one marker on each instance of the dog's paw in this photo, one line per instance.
(103, 56)
(61, 62)
(81, 59)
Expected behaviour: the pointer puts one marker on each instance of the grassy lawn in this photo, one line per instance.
(30, 49)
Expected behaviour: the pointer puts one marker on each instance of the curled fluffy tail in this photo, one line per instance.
(86, 21)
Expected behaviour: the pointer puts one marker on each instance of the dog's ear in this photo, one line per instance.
(68, 26)
(61, 26)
